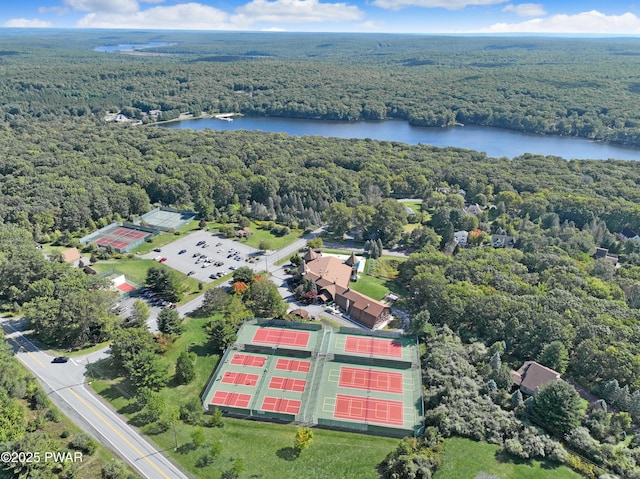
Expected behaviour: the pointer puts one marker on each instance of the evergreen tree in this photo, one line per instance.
(185, 368)
(555, 356)
(169, 321)
(557, 406)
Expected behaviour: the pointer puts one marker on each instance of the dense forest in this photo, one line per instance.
(562, 86)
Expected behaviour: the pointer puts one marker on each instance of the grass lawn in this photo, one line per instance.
(378, 278)
(369, 286)
(414, 205)
(276, 242)
(464, 459)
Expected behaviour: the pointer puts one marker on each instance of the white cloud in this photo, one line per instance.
(448, 4)
(585, 22)
(273, 29)
(26, 23)
(526, 9)
(108, 6)
(298, 11)
(185, 16)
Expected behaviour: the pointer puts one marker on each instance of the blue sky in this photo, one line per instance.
(402, 16)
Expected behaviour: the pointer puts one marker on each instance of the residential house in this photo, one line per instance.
(603, 253)
(70, 255)
(473, 209)
(532, 375)
(461, 237)
(503, 241)
(628, 234)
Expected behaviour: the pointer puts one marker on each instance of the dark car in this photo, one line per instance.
(60, 359)
(199, 243)
(191, 273)
(157, 250)
(182, 251)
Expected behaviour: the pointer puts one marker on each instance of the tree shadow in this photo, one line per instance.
(504, 457)
(288, 453)
(186, 448)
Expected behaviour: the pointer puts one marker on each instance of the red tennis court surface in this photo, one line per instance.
(240, 378)
(363, 409)
(287, 384)
(246, 360)
(370, 379)
(281, 337)
(126, 287)
(223, 398)
(379, 347)
(112, 242)
(120, 237)
(293, 365)
(289, 406)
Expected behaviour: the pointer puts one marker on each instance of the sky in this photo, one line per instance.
(386, 16)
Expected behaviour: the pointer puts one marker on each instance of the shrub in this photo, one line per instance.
(83, 442)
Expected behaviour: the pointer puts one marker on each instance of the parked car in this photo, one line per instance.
(60, 359)
(201, 242)
(182, 251)
(191, 273)
(157, 250)
(162, 260)
(213, 276)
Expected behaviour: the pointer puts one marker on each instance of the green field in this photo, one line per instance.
(276, 242)
(373, 287)
(464, 459)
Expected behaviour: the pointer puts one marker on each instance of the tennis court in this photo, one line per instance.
(370, 380)
(240, 378)
(167, 219)
(225, 398)
(281, 337)
(287, 384)
(357, 408)
(248, 360)
(293, 365)
(120, 238)
(301, 373)
(379, 347)
(287, 406)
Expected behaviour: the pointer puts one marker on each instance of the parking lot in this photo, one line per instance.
(206, 256)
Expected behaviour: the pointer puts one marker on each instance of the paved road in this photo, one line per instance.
(66, 386)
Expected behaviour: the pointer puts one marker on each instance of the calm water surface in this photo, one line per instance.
(129, 47)
(495, 142)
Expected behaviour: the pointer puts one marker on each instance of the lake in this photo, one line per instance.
(129, 47)
(495, 142)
